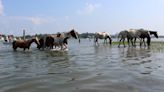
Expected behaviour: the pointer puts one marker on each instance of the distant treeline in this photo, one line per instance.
(91, 35)
(82, 35)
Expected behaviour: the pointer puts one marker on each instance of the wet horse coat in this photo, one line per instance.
(24, 43)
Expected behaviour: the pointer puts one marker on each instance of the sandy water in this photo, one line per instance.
(83, 68)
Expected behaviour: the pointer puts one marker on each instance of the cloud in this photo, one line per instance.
(37, 20)
(88, 9)
(66, 17)
(1, 8)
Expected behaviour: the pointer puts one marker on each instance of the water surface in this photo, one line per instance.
(85, 67)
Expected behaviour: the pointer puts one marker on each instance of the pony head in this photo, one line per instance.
(36, 40)
(74, 34)
(154, 33)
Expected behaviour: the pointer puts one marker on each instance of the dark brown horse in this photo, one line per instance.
(24, 43)
(147, 34)
(59, 39)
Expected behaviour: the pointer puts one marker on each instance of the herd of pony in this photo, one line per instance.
(60, 40)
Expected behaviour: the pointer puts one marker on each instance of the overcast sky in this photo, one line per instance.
(52, 16)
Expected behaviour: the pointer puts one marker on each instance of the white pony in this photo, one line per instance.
(102, 35)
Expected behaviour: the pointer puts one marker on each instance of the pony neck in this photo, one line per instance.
(110, 39)
(31, 41)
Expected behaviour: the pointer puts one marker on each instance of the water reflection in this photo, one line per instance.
(85, 67)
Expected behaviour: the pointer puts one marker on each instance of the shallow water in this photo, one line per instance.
(85, 67)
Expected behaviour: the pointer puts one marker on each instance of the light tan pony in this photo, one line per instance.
(102, 35)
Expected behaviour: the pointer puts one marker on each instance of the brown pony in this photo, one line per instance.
(24, 43)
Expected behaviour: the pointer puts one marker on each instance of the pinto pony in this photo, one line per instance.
(58, 40)
(24, 43)
(102, 35)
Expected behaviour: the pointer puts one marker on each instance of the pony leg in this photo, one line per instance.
(61, 46)
(15, 48)
(132, 42)
(124, 42)
(65, 46)
(119, 42)
(128, 42)
(96, 41)
(50, 46)
(140, 42)
(135, 41)
(148, 41)
(144, 42)
(105, 41)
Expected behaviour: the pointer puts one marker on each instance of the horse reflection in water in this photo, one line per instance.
(25, 44)
(58, 40)
(102, 35)
(133, 34)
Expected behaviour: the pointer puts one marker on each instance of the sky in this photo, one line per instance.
(52, 16)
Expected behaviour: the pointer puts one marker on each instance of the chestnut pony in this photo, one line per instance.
(24, 43)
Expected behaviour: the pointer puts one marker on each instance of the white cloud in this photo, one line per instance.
(88, 9)
(37, 20)
(66, 17)
(1, 8)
